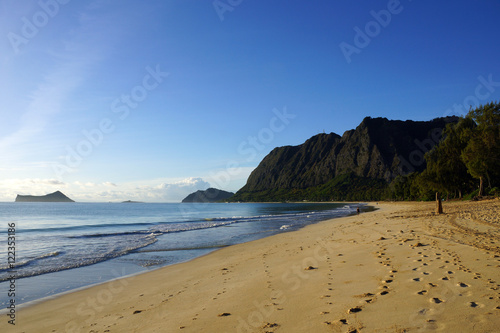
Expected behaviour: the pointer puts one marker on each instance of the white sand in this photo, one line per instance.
(399, 269)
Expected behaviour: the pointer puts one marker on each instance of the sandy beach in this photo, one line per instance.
(399, 269)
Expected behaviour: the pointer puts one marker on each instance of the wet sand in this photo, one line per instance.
(399, 269)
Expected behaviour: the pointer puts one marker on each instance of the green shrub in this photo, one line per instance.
(495, 192)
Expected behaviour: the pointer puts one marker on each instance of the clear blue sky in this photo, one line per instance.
(151, 100)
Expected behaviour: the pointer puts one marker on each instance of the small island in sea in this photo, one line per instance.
(209, 195)
(57, 196)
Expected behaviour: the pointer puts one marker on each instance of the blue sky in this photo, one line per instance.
(151, 100)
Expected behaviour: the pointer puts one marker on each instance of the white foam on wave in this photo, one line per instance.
(29, 261)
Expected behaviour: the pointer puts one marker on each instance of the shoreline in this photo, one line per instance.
(367, 209)
(67, 280)
(347, 273)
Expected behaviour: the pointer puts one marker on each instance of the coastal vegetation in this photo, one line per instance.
(387, 160)
(466, 161)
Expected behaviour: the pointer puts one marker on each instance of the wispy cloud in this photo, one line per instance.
(9, 188)
(45, 101)
(68, 57)
(167, 191)
(173, 191)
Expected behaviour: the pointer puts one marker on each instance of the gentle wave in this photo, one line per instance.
(4, 268)
(152, 224)
(87, 246)
(159, 229)
(181, 249)
(68, 260)
(83, 227)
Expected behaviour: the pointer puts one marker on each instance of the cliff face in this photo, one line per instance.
(377, 149)
(52, 197)
(209, 195)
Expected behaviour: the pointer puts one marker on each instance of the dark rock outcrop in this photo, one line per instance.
(209, 195)
(52, 197)
(378, 149)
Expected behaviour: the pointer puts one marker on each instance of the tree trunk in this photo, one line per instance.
(481, 187)
(439, 207)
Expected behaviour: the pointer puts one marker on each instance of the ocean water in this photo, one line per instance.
(63, 246)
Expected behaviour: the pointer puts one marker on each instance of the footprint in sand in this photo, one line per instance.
(422, 292)
(436, 300)
(354, 309)
(416, 279)
(473, 304)
(463, 285)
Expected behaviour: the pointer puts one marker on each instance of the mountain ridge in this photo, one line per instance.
(377, 149)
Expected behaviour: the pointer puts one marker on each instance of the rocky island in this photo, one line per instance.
(52, 197)
(209, 195)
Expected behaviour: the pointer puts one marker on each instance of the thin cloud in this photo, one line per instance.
(30, 182)
(9, 188)
(173, 191)
(159, 191)
(178, 190)
(69, 59)
(45, 101)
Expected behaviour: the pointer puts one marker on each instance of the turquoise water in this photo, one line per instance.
(62, 246)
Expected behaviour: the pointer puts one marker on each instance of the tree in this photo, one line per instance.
(482, 153)
(445, 171)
